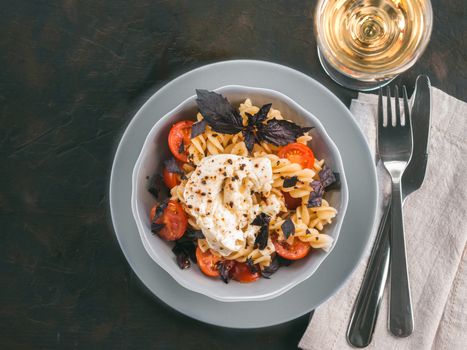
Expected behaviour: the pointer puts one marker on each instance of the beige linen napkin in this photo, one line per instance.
(436, 232)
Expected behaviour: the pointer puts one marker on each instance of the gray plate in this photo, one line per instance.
(358, 222)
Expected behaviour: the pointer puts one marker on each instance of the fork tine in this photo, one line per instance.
(380, 109)
(408, 120)
(388, 104)
(398, 107)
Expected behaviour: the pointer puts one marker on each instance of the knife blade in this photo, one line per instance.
(366, 307)
(414, 174)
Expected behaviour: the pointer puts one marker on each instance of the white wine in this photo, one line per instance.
(371, 40)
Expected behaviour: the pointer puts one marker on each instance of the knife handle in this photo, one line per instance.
(366, 307)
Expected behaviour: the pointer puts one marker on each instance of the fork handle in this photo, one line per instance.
(400, 303)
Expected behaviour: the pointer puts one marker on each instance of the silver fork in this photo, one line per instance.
(395, 146)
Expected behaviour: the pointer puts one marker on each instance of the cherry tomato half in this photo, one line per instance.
(207, 262)
(180, 131)
(295, 251)
(290, 202)
(298, 153)
(170, 179)
(241, 273)
(174, 220)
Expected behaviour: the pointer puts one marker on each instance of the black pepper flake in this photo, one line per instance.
(203, 193)
(203, 182)
(256, 165)
(209, 200)
(242, 166)
(288, 228)
(224, 173)
(231, 204)
(230, 161)
(290, 181)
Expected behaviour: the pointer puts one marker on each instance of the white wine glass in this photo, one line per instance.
(364, 44)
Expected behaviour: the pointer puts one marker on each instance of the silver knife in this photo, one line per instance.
(366, 308)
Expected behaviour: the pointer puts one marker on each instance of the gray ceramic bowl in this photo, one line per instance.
(150, 161)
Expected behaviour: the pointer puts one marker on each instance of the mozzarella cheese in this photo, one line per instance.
(219, 195)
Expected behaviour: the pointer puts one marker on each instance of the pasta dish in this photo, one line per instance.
(246, 193)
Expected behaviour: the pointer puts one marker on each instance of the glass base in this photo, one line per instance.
(348, 82)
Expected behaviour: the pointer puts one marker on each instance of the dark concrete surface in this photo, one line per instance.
(72, 73)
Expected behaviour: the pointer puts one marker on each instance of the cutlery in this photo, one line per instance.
(365, 313)
(395, 146)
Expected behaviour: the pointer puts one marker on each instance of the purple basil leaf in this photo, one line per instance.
(160, 210)
(181, 148)
(288, 228)
(283, 261)
(317, 187)
(316, 196)
(193, 234)
(172, 166)
(307, 128)
(187, 247)
(225, 271)
(261, 220)
(251, 265)
(262, 114)
(290, 181)
(154, 191)
(249, 139)
(156, 228)
(261, 240)
(251, 119)
(183, 261)
(198, 128)
(279, 132)
(220, 115)
(315, 200)
(326, 176)
(182, 256)
(156, 186)
(271, 269)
